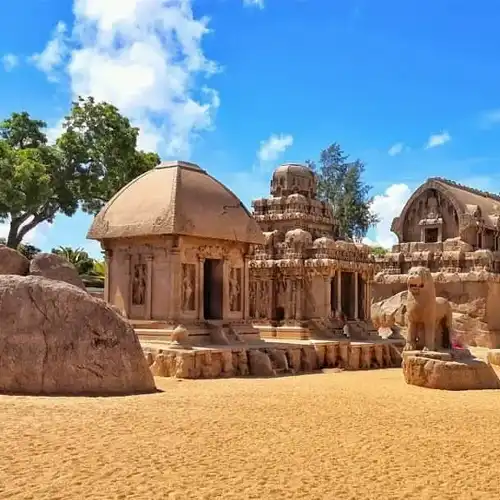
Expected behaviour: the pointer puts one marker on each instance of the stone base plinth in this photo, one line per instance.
(268, 358)
(493, 357)
(454, 370)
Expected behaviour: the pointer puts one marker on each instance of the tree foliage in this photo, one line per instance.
(27, 249)
(95, 156)
(340, 183)
(78, 257)
(379, 251)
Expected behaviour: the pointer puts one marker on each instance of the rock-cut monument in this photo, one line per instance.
(177, 245)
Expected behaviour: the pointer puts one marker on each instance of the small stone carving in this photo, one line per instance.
(179, 338)
(429, 318)
(188, 287)
(235, 289)
(139, 285)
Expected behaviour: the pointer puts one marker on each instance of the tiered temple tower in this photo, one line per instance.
(303, 280)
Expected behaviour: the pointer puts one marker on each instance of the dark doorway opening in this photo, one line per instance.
(347, 290)
(212, 288)
(280, 313)
(361, 297)
(431, 235)
(333, 293)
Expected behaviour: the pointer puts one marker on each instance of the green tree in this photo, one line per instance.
(379, 251)
(78, 257)
(95, 156)
(340, 183)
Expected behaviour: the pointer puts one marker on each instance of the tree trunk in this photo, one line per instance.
(13, 239)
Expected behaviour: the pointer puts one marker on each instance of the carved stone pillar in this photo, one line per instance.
(258, 297)
(270, 298)
(245, 296)
(149, 286)
(225, 288)
(288, 300)
(299, 299)
(200, 303)
(356, 296)
(368, 295)
(127, 285)
(328, 297)
(108, 257)
(339, 290)
(175, 283)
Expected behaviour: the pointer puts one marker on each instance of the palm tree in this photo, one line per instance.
(78, 257)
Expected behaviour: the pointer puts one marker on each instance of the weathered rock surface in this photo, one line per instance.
(493, 357)
(55, 267)
(260, 364)
(57, 339)
(13, 262)
(452, 371)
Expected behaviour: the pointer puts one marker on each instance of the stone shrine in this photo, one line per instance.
(454, 231)
(177, 244)
(304, 281)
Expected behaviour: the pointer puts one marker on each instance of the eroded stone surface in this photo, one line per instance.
(55, 267)
(453, 371)
(13, 262)
(493, 357)
(57, 339)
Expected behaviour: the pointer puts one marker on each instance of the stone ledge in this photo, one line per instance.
(493, 356)
(455, 370)
(269, 359)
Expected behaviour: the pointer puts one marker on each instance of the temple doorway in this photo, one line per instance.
(212, 288)
(361, 297)
(347, 299)
(333, 294)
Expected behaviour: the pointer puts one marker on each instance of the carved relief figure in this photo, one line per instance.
(428, 317)
(139, 285)
(432, 208)
(265, 298)
(235, 289)
(252, 295)
(188, 287)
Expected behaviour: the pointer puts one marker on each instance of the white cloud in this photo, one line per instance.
(387, 206)
(490, 118)
(146, 58)
(254, 3)
(272, 148)
(396, 149)
(436, 140)
(51, 58)
(36, 236)
(10, 61)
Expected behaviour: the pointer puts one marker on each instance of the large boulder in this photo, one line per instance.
(13, 262)
(452, 371)
(57, 339)
(50, 265)
(389, 315)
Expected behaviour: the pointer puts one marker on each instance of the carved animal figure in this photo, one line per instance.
(428, 317)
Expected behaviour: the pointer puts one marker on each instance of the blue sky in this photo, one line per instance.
(240, 86)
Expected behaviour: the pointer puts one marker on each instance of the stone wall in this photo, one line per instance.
(271, 360)
(474, 297)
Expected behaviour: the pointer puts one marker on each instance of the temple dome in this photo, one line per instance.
(176, 198)
(293, 178)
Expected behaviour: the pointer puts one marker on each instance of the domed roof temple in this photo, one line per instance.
(177, 245)
(303, 281)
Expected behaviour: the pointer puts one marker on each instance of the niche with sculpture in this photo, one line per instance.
(188, 287)
(235, 289)
(139, 285)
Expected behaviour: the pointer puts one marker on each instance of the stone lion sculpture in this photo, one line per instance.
(429, 318)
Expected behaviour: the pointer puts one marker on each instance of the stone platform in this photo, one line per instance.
(268, 358)
(453, 370)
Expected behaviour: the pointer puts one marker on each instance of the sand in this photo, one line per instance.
(350, 435)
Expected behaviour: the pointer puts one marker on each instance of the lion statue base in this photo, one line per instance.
(429, 318)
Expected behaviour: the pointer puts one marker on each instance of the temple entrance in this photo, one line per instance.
(361, 297)
(347, 299)
(333, 294)
(212, 288)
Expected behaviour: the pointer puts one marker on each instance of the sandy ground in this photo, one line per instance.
(357, 435)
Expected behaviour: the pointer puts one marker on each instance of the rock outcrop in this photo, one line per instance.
(55, 267)
(57, 339)
(13, 262)
(493, 357)
(452, 371)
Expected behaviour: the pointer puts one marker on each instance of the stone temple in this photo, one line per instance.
(454, 231)
(177, 248)
(303, 280)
